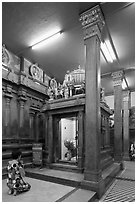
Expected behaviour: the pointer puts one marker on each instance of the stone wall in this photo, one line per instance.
(23, 96)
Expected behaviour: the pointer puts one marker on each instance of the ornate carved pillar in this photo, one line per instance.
(92, 23)
(117, 83)
(21, 99)
(126, 99)
(8, 96)
(80, 138)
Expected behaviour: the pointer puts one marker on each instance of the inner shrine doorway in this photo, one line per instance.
(66, 139)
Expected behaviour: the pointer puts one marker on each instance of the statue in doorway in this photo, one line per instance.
(71, 147)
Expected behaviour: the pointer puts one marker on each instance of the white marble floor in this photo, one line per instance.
(41, 191)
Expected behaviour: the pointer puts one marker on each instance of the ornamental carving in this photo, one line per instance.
(117, 75)
(91, 31)
(5, 56)
(117, 82)
(91, 17)
(36, 72)
(22, 93)
(11, 76)
(117, 78)
(9, 89)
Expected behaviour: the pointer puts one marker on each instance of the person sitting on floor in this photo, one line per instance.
(15, 172)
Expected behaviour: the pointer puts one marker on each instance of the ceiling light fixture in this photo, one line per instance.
(44, 41)
(106, 52)
(110, 49)
(124, 85)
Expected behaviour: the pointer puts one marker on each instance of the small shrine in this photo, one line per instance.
(65, 113)
(73, 84)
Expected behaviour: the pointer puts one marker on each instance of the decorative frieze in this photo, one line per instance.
(92, 22)
(36, 72)
(117, 78)
(14, 70)
(92, 16)
(11, 76)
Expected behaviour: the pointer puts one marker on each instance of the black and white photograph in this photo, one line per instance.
(68, 101)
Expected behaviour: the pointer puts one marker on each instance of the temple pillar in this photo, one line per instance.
(118, 147)
(21, 100)
(46, 131)
(50, 139)
(92, 22)
(31, 119)
(107, 132)
(126, 97)
(36, 126)
(80, 138)
(8, 96)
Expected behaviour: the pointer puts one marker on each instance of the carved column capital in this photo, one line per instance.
(22, 92)
(117, 78)
(21, 103)
(92, 22)
(22, 95)
(31, 113)
(7, 100)
(8, 92)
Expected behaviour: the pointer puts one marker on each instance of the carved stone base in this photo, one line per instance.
(98, 187)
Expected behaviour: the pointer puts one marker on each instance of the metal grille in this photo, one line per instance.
(122, 191)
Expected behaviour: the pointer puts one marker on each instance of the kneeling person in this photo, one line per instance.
(15, 181)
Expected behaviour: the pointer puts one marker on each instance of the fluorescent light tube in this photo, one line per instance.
(124, 86)
(44, 41)
(111, 51)
(106, 52)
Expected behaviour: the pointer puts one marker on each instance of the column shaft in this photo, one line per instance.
(126, 124)
(50, 139)
(36, 127)
(92, 22)
(31, 125)
(80, 139)
(117, 79)
(7, 117)
(92, 110)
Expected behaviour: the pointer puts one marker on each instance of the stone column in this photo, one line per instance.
(21, 100)
(8, 96)
(92, 22)
(31, 119)
(80, 139)
(46, 131)
(50, 139)
(36, 127)
(126, 100)
(107, 139)
(117, 83)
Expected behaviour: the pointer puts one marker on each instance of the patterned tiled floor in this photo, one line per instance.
(123, 189)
